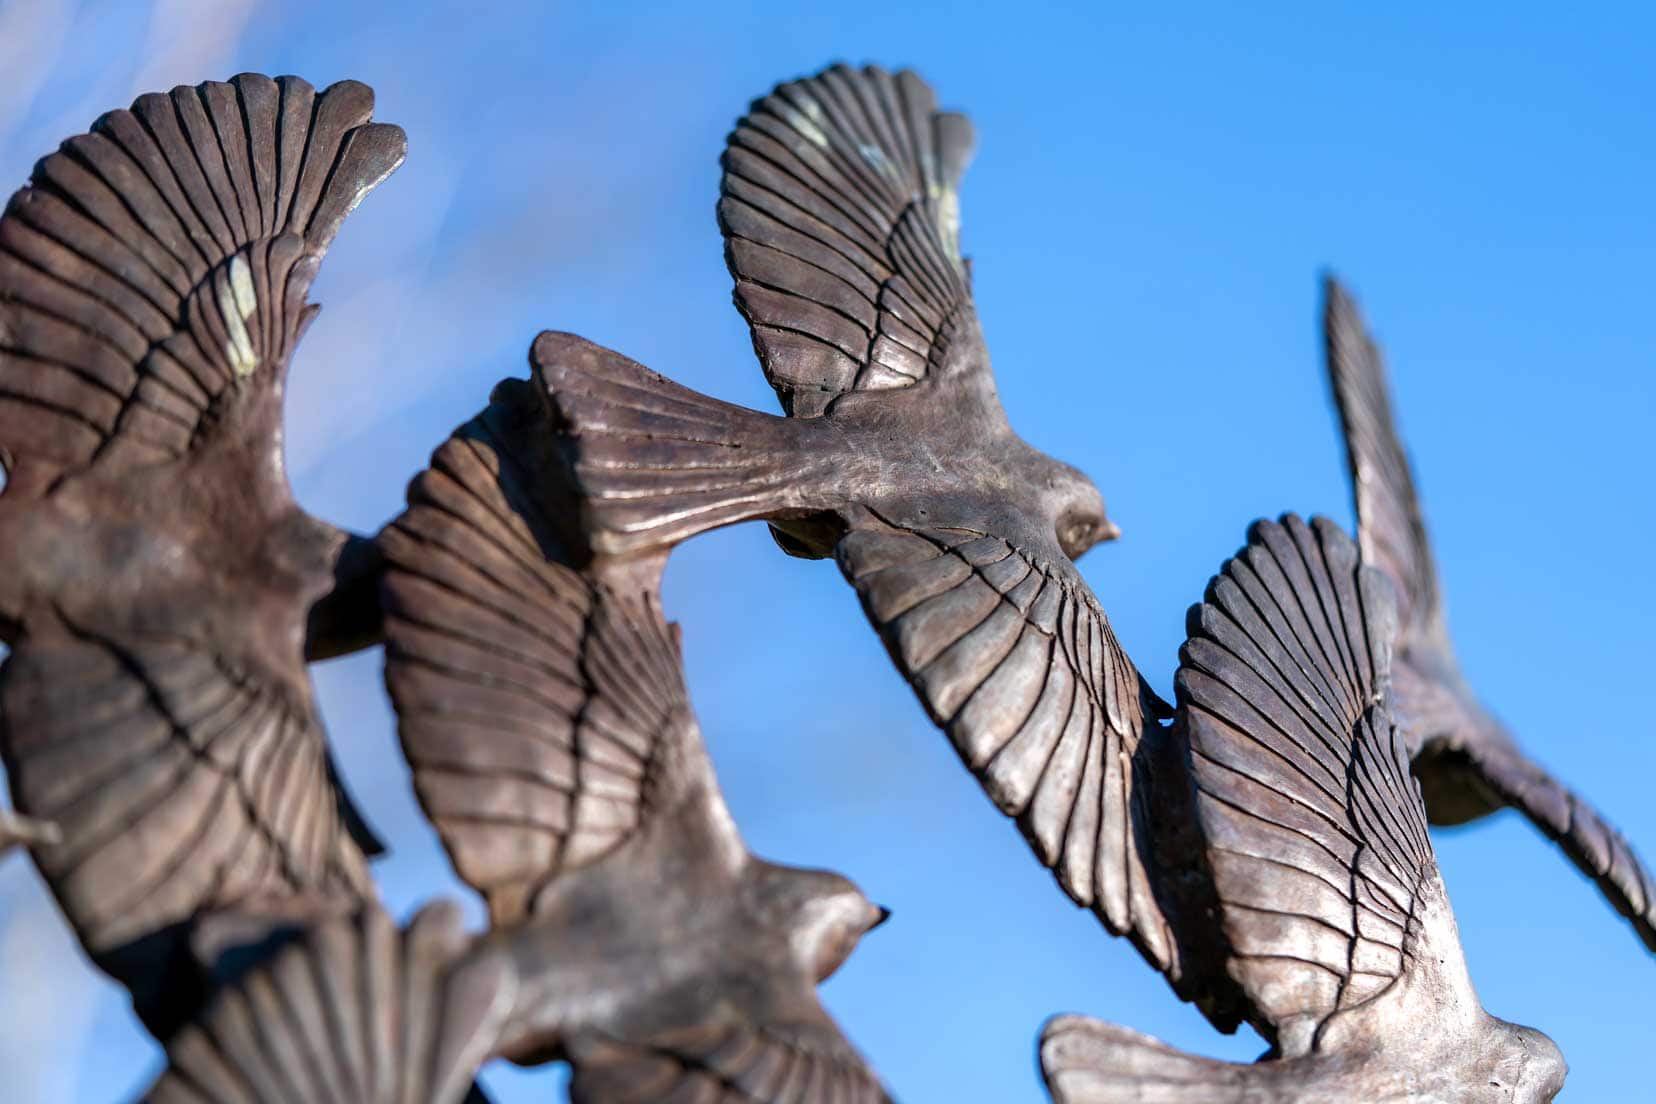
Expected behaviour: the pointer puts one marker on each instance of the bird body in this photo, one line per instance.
(839, 206)
(542, 707)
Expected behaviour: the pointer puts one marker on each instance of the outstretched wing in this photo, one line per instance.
(800, 1059)
(840, 211)
(163, 259)
(179, 788)
(1315, 830)
(1390, 529)
(352, 1013)
(1013, 657)
(1597, 848)
(531, 702)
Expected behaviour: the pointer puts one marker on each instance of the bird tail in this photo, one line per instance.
(654, 462)
(1087, 1061)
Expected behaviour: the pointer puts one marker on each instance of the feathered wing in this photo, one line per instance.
(840, 211)
(531, 702)
(354, 1012)
(1315, 830)
(1014, 659)
(786, 1055)
(179, 787)
(161, 260)
(1390, 529)
(1595, 846)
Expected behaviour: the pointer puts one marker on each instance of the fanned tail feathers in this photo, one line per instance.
(656, 463)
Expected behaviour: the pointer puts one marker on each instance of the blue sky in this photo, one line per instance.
(1153, 198)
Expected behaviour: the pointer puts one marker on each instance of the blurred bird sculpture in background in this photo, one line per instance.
(1468, 764)
(1331, 911)
(156, 576)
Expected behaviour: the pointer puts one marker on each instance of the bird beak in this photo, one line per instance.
(885, 914)
(1110, 532)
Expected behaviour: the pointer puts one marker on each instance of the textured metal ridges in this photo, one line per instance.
(352, 1012)
(1316, 836)
(531, 702)
(840, 211)
(1014, 659)
(165, 256)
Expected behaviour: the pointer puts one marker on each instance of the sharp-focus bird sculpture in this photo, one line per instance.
(156, 575)
(544, 712)
(1329, 909)
(1467, 762)
(352, 1012)
(840, 216)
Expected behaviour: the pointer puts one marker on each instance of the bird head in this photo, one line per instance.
(824, 914)
(1530, 1069)
(1077, 509)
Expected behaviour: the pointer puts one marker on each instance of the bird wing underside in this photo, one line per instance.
(803, 1059)
(163, 258)
(1315, 831)
(1597, 848)
(840, 211)
(354, 1012)
(1015, 660)
(178, 786)
(1390, 528)
(531, 701)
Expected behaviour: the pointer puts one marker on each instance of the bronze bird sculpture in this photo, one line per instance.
(544, 713)
(1328, 906)
(1467, 761)
(840, 214)
(156, 575)
(352, 1012)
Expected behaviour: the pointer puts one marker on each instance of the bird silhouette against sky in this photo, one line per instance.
(1328, 908)
(156, 575)
(1467, 761)
(840, 212)
(544, 713)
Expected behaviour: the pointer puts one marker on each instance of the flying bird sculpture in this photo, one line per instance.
(1330, 912)
(1467, 761)
(541, 703)
(156, 575)
(352, 1012)
(840, 214)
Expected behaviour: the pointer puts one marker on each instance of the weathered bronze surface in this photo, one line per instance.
(162, 593)
(155, 572)
(840, 216)
(1468, 764)
(544, 712)
(1331, 913)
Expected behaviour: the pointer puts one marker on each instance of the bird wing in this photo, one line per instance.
(162, 260)
(1012, 656)
(1390, 529)
(840, 210)
(789, 1053)
(534, 704)
(1597, 848)
(354, 1012)
(179, 785)
(1315, 830)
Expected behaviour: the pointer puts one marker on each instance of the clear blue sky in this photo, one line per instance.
(1152, 200)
